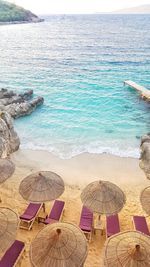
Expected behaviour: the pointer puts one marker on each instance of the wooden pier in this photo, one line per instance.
(144, 93)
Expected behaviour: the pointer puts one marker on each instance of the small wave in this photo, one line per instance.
(128, 153)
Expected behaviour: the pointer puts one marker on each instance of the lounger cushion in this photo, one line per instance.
(31, 211)
(11, 255)
(112, 225)
(56, 212)
(141, 224)
(86, 220)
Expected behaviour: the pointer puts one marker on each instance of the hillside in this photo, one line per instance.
(10, 13)
(144, 9)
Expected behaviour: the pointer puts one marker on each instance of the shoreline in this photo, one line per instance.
(20, 22)
(134, 153)
(89, 166)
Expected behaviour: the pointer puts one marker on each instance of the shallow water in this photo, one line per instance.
(78, 63)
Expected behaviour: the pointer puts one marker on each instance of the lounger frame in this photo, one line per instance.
(135, 225)
(19, 256)
(61, 216)
(29, 223)
(118, 230)
(88, 234)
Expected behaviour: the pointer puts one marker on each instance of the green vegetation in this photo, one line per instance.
(10, 13)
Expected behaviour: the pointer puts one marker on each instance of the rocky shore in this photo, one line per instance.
(9, 140)
(14, 105)
(145, 155)
(18, 105)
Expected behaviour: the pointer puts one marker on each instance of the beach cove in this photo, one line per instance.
(80, 70)
(90, 126)
(77, 173)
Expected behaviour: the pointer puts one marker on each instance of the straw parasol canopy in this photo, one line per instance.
(103, 197)
(8, 228)
(7, 168)
(59, 245)
(41, 186)
(145, 200)
(126, 249)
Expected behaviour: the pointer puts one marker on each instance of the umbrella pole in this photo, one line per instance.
(137, 252)
(44, 207)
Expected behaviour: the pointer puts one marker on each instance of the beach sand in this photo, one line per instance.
(76, 173)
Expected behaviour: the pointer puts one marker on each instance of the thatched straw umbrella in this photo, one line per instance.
(126, 249)
(41, 187)
(145, 199)
(103, 197)
(59, 245)
(7, 168)
(8, 228)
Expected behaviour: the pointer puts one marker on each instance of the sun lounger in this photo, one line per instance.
(28, 217)
(56, 212)
(86, 222)
(112, 225)
(140, 224)
(13, 254)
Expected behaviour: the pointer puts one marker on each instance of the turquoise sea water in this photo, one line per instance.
(78, 63)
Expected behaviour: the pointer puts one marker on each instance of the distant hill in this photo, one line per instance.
(144, 9)
(11, 13)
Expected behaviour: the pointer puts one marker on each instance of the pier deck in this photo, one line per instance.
(145, 93)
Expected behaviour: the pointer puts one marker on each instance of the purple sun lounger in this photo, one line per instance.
(28, 217)
(86, 222)
(112, 225)
(56, 212)
(13, 254)
(140, 224)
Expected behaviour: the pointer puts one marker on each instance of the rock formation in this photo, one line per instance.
(9, 140)
(18, 105)
(13, 105)
(145, 155)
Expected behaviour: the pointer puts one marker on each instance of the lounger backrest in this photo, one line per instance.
(86, 219)
(11, 255)
(112, 225)
(31, 211)
(56, 210)
(141, 224)
(86, 213)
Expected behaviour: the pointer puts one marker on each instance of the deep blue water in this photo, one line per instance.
(78, 63)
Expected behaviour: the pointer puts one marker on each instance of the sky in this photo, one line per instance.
(76, 6)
